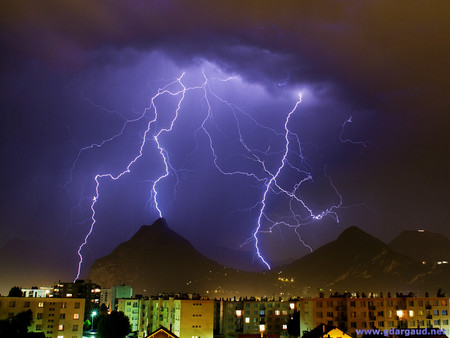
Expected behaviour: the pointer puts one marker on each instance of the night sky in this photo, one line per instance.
(78, 73)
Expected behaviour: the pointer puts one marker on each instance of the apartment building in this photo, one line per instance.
(350, 314)
(251, 316)
(185, 317)
(139, 313)
(56, 317)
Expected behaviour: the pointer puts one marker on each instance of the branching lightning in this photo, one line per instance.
(290, 158)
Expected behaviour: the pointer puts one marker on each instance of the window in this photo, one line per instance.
(26, 304)
(63, 305)
(76, 316)
(12, 303)
(319, 315)
(437, 322)
(62, 316)
(284, 326)
(39, 315)
(61, 327)
(436, 312)
(75, 327)
(443, 302)
(444, 312)
(353, 324)
(38, 327)
(445, 322)
(77, 305)
(41, 304)
(247, 319)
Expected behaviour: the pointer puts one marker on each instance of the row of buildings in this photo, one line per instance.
(59, 312)
(234, 318)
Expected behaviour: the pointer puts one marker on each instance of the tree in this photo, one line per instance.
(16, 326)
(114, 325)
(15, 291)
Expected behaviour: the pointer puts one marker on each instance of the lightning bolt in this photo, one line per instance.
(365, 144)
(266, 177)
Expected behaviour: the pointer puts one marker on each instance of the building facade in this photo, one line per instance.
(351, 314)
(252, 316)
(186, 318)
(56, 317)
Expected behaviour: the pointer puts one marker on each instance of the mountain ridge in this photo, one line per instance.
(156, 259)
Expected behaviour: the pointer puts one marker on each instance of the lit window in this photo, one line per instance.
(76, 316)
(411, 313)
(41, 304)
(284, 326)
(68, 295)
(238, 313)
(59, 336)
(247, 319)
(400, 313)
(262, 327)
(292, 306)
(277, 312)
(60, 327)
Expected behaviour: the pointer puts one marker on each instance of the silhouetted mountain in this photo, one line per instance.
(355, 261)
(158, 260)
(26, 263)
(423, 246)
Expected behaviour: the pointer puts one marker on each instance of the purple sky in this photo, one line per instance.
(72, 72)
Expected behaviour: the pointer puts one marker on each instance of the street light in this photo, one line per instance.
(93, 314)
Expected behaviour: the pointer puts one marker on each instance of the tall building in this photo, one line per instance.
(80, 289)
(110, 296)
(184, 316)
(56, 317)
(350, 314)
(251, 316)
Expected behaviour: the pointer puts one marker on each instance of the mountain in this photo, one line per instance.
(430, 249)
(157, 259)
(423, 246)
(355, 261)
